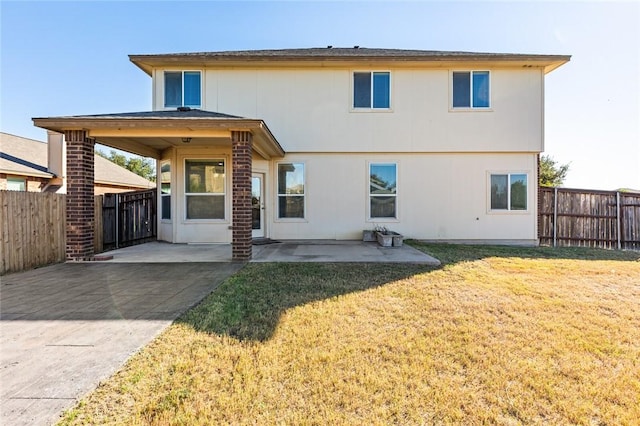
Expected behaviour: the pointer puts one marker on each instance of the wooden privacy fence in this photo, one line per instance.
(33, 230)
(578, 217)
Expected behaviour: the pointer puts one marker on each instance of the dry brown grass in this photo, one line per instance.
(519, 336)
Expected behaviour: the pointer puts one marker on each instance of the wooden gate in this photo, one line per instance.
(129, 218)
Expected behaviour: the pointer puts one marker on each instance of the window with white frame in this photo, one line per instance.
(182, 88)
(205, 184)
(165, 190)
(383, 178)
(471, 89)
(372, 89)
(16, 184)
(508, 191)
(291, 190)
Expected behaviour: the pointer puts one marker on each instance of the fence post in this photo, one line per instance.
(618, 218)
(555, 216)
(117, 214)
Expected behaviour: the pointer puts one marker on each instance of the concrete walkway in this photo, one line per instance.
(66, 327)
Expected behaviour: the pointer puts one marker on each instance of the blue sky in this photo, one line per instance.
(66, 58)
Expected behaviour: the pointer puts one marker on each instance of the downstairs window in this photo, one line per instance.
(383, 190)
(509, 191)
(291, 190)
(205, 184)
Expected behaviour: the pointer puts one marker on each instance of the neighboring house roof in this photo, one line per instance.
(339, 55)
(22, 156)
(29, 157)
(109, 173)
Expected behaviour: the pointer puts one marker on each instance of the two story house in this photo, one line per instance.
(322, 143)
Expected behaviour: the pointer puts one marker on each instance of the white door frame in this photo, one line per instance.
(261, 232)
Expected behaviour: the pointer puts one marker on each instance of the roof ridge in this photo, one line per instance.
(347, 51)
(161, 114)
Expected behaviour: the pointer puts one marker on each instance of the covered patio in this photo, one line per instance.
(154, 134)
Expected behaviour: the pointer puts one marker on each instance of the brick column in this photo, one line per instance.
(241, 183)
(80, 175)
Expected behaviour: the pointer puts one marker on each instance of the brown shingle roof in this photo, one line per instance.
(22, 156)
(342, 52)
(337, 55)
(189, 113)
(109, 173)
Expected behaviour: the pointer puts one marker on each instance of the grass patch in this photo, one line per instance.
(456, 253)
(497, 335)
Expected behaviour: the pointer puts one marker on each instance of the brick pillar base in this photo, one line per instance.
(241, 183)
(80, 175)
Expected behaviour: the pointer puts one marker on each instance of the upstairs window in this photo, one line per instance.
(182, 88)
(371, 89)
(471, 89)
(509, 191)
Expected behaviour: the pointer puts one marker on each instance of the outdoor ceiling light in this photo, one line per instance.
(186, 140)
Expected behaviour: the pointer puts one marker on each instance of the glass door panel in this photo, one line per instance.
(257, 206)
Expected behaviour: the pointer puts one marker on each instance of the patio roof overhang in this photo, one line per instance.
(150, 133)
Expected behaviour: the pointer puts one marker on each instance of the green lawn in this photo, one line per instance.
(496, 335)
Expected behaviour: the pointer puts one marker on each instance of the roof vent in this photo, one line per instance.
(356, 47)
(184, 109)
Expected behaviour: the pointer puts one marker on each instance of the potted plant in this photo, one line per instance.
(385, 239)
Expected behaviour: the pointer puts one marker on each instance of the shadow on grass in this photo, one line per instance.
(249, 305)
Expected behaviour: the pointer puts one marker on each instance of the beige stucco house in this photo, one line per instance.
(30, 165)
(322, 143)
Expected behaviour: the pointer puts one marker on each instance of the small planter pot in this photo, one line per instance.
(397, 239)
(385, 240)
(368, 235)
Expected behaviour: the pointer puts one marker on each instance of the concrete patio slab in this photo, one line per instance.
(339, 251)
(284, 251)
(66, 327)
